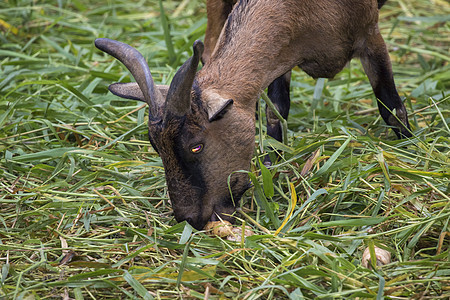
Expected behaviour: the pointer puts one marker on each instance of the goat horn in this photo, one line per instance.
(136, 64)
(178, 101)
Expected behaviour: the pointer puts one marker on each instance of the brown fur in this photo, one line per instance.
(218, 12)
(319, 36)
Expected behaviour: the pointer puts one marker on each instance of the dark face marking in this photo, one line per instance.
(184, 176)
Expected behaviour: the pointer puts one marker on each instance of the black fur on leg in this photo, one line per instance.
(278, 92)
(377, 65)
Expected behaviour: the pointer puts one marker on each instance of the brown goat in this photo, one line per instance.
(278, 90)
(203, 125)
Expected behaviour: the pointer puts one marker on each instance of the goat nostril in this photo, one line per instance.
(190, 220)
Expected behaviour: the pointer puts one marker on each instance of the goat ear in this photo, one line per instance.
(127, 90)
(217, 106)
(132, 90)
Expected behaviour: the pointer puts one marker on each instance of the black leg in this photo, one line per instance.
(377, 65)
(278, 92)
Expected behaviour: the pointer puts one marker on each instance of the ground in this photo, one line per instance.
(84, 210)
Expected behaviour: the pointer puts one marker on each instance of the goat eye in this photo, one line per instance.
(197, 148)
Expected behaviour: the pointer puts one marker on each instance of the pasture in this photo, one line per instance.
(84, 209)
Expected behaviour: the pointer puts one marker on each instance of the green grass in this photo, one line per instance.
(84, 210)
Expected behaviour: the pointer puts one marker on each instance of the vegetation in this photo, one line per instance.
(84, 210)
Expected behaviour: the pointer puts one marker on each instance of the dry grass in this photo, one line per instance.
(84, 211)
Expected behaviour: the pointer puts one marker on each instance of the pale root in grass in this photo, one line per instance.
(237, 234)
(219, 228)
(383, 257)
(225, 229)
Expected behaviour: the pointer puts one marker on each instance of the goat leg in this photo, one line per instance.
(377, 65)
(278, 92)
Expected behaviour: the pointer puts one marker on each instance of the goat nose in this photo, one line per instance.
(194, 221)
(190, 220)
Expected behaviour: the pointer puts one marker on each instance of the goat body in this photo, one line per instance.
(203, 127)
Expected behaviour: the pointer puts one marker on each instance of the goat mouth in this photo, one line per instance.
(227, 209)
(216, 216)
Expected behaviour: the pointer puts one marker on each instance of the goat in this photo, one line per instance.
(203, 125)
